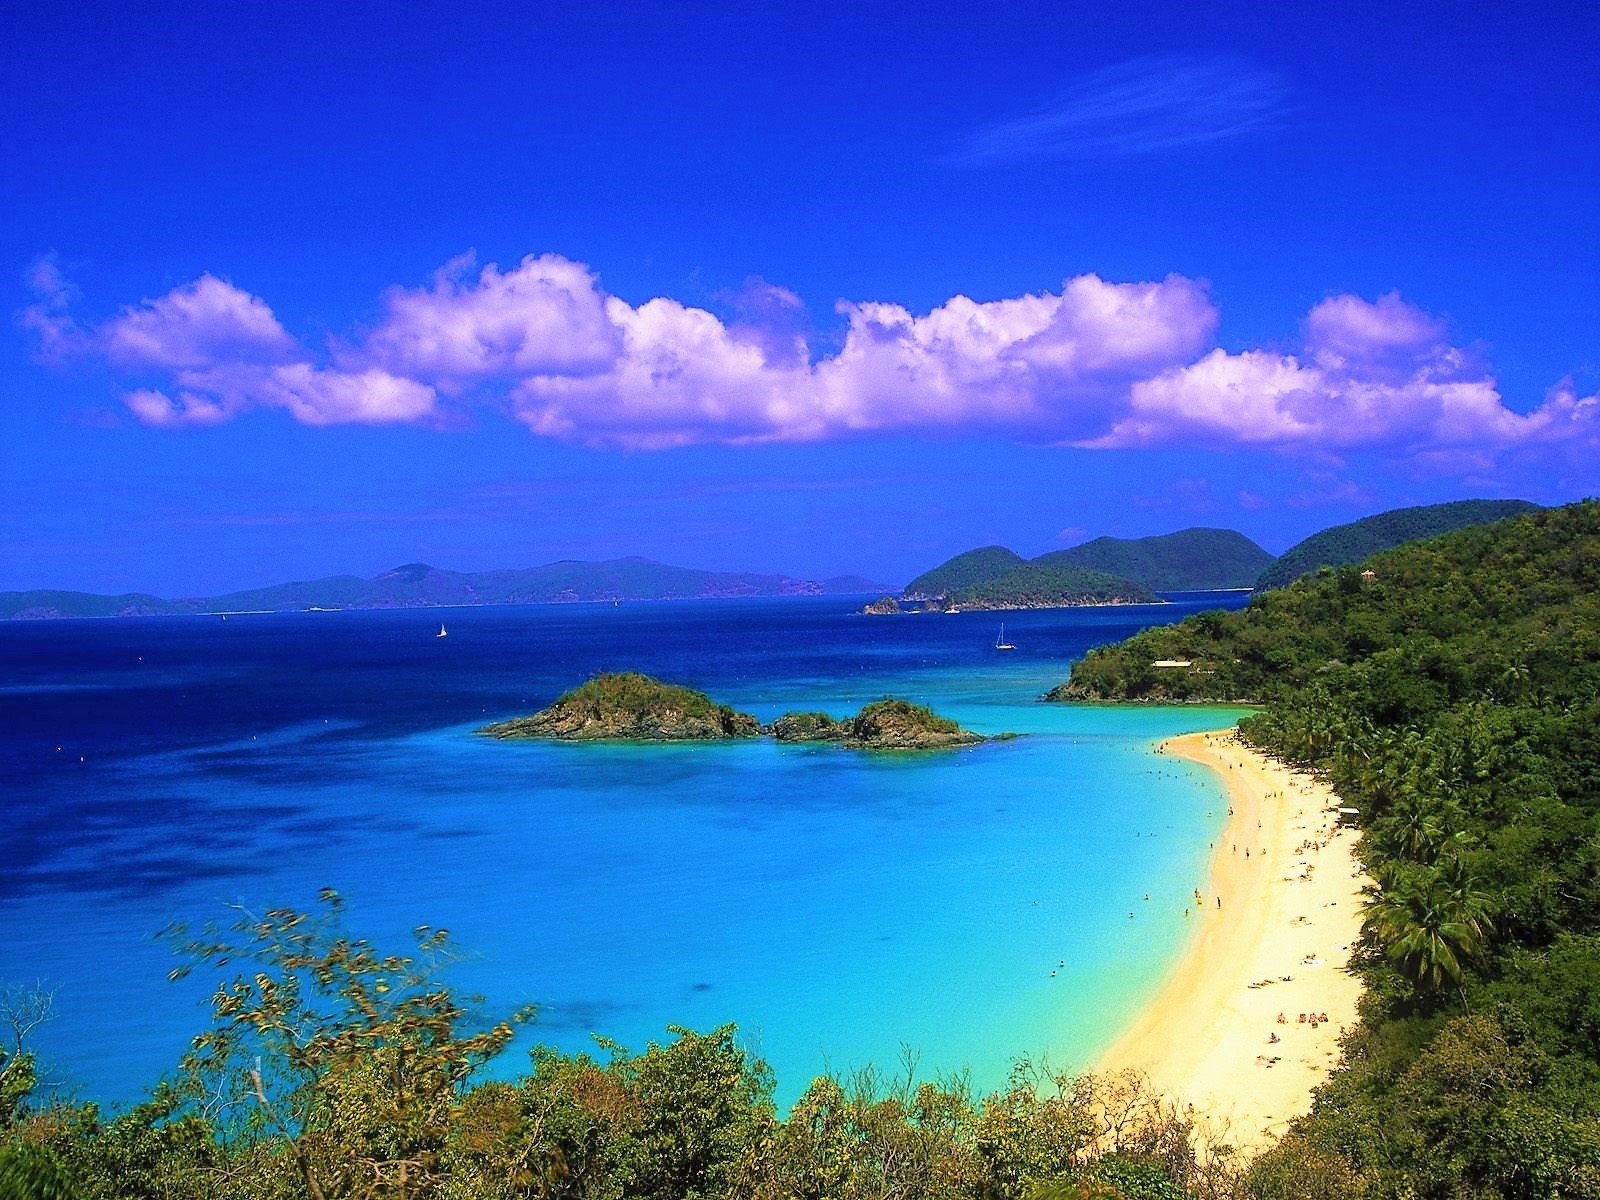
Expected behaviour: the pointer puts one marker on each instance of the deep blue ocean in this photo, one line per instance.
(842, 907)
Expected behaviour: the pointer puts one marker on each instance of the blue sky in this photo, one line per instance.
(793, 287)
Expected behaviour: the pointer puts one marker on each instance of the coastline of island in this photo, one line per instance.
(891, 606)
(1247, 1022)
(627, 706)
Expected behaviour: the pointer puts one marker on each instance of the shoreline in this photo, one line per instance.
(1289, 888)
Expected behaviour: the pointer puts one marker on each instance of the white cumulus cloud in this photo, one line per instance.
(197, 325)
(1377, 373)
(545, 315)
(1097, 364)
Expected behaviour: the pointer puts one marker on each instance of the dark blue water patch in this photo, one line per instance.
(121, 840)
(311, 770)
(325, 830)
(577, 1016)
(124, 877)
(162, 684)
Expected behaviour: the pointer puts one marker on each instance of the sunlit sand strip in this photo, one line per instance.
(1235, 1030)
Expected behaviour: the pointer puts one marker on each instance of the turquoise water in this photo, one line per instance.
(841, 907)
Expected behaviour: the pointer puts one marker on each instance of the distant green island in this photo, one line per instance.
(629, 706)
(1107, 570)
(417, 585)
(1110, 570)
(1190, 560)
(993, 578)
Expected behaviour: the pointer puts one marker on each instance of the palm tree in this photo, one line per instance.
(1417, 828)
(1514, 679)
(1430, 924)
(1463, 891)
(1420, 829)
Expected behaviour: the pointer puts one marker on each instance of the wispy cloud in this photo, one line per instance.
(1145, 106)
(48, 317)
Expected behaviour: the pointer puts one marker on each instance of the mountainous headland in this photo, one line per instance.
(1190, 560)
(1341, 545)
(965, 570)
(1105, 571)
(1111, 570)
(1036, 585)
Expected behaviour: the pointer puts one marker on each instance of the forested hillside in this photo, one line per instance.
(1451, 691)
(1034, 586)
(965, 570)
(1188, 560)
(1342, 545)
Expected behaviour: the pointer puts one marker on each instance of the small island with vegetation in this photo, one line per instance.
(883, 725)
(630, 707)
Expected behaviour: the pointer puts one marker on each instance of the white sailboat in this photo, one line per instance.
(1000, 642)
(441, 632)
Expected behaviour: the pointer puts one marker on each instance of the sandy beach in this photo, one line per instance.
(1235, 1030)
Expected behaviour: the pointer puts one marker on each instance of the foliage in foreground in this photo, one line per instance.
(333, 1070)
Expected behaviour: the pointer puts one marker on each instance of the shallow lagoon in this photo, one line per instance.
(841, 907)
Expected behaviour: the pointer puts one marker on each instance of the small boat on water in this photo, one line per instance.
(1000, 642)
(441, 632)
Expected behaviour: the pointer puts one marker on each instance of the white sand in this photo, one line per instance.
(1291, 908)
